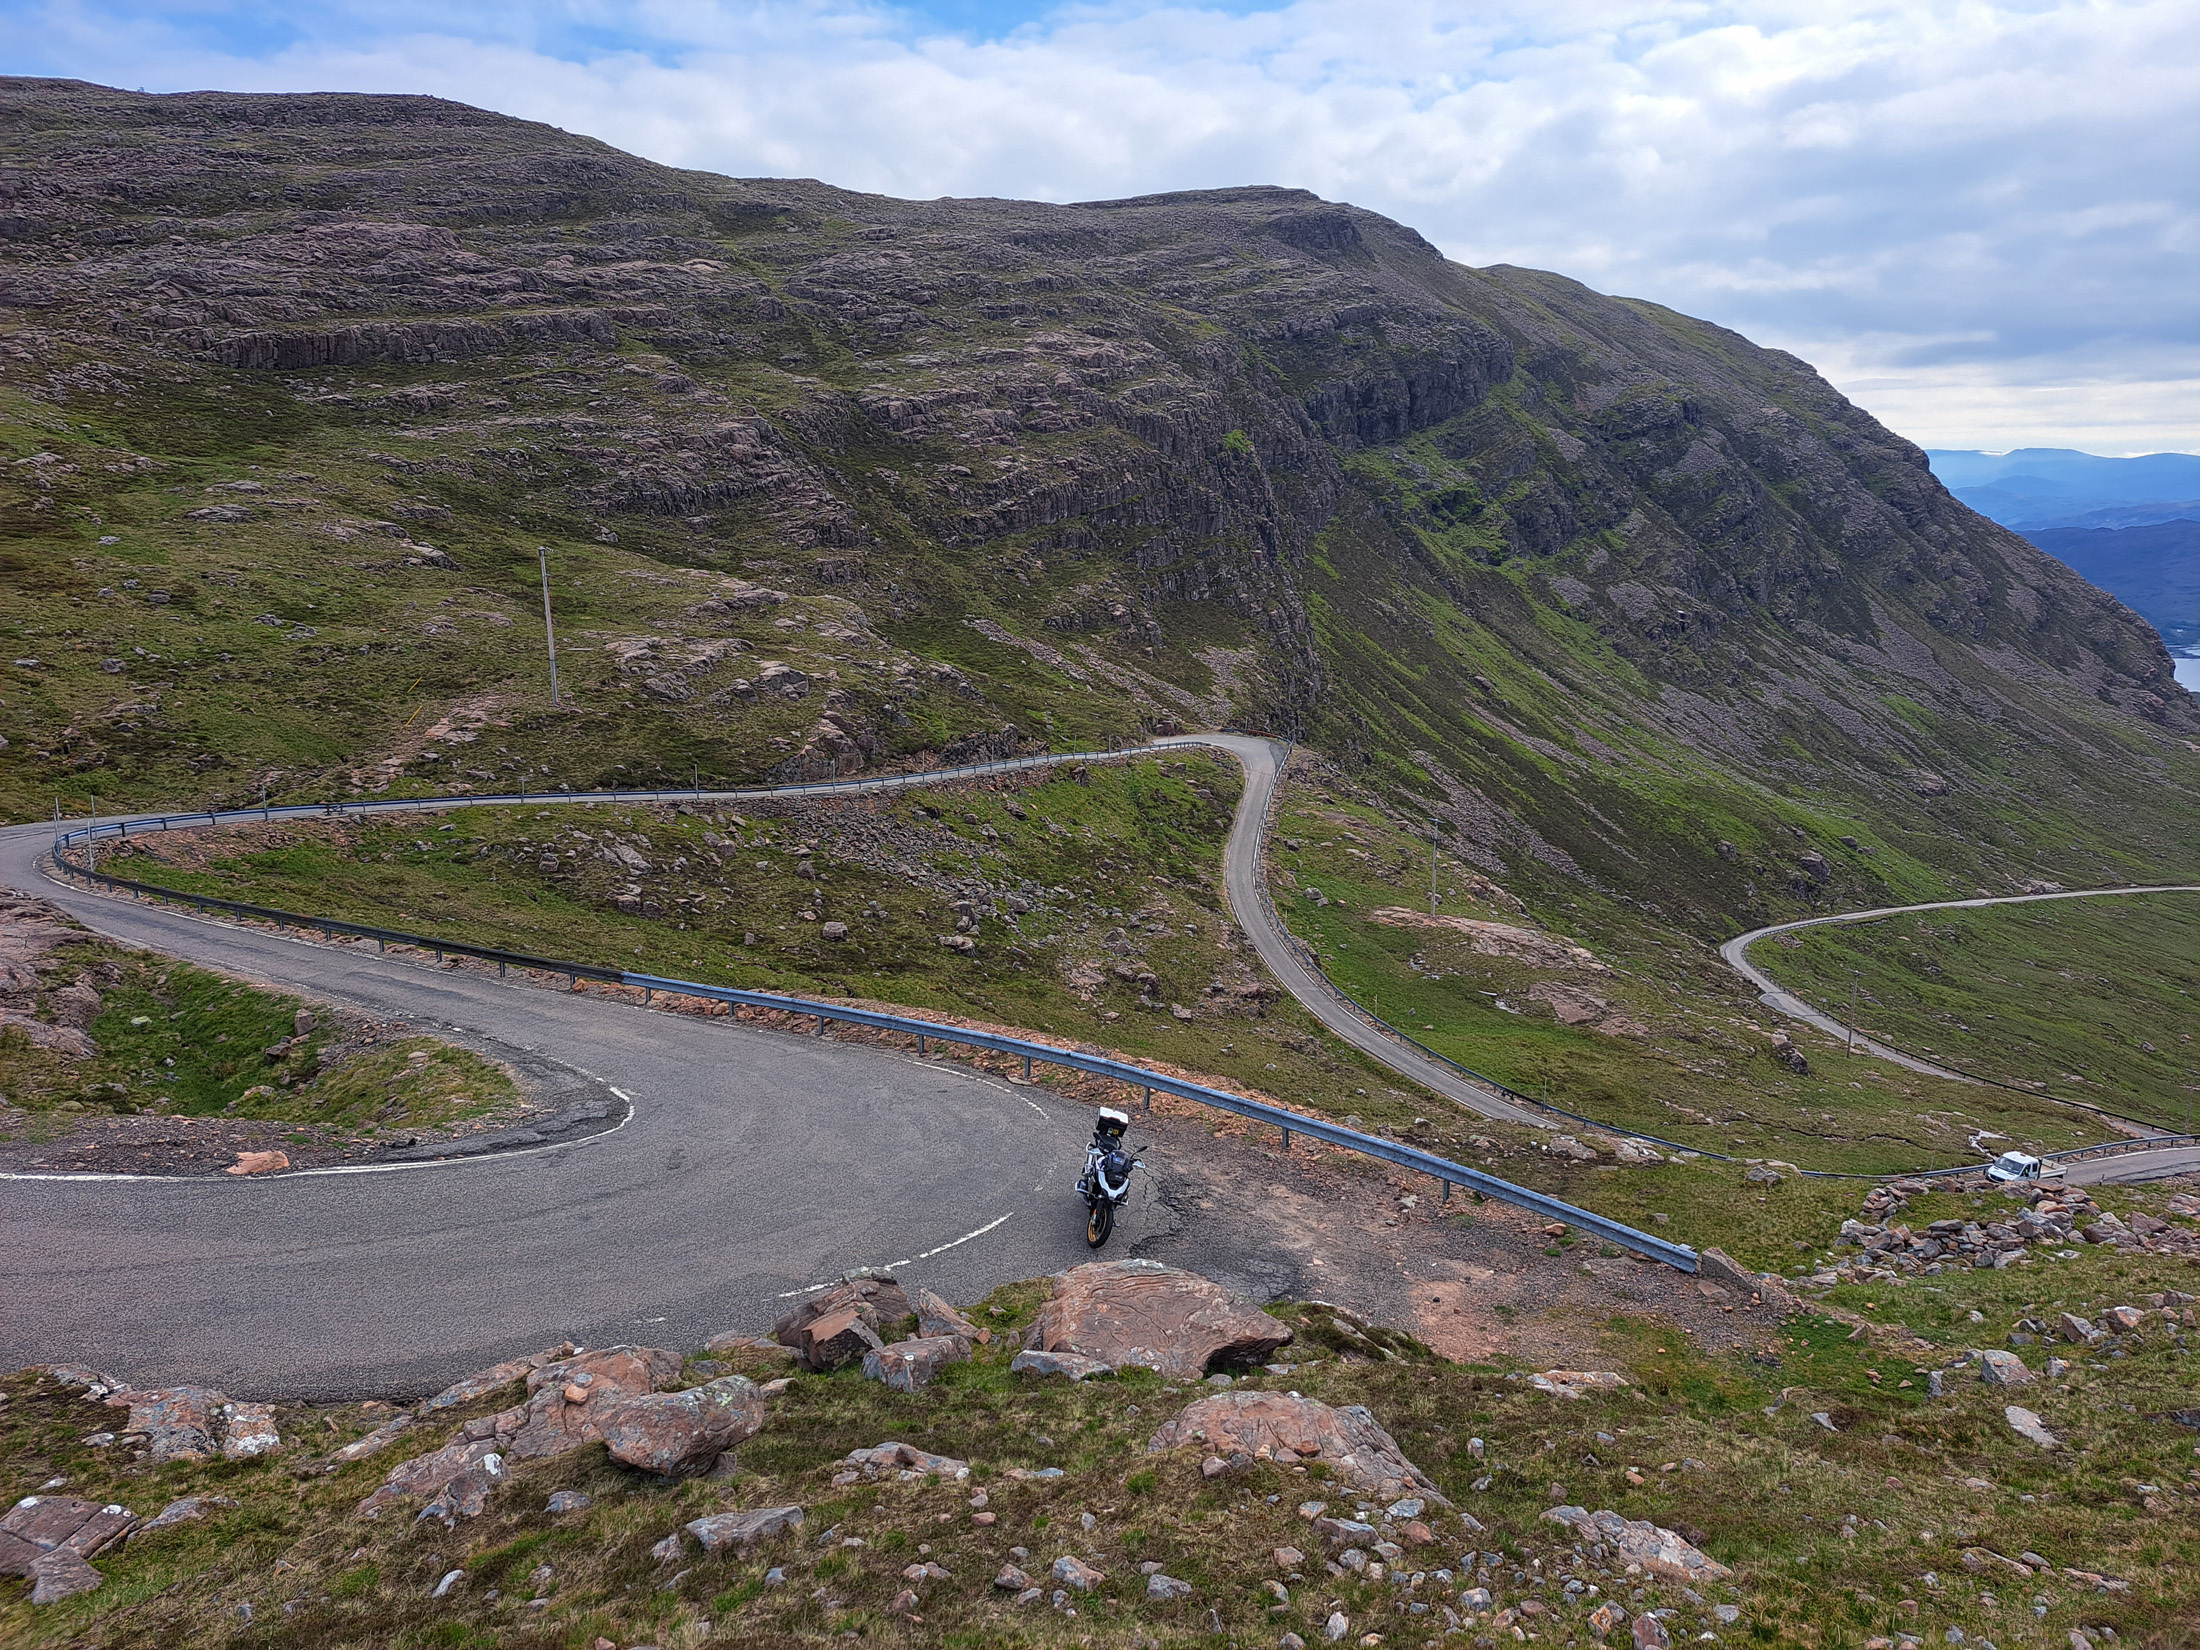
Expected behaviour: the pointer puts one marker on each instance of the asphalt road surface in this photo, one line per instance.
(754, 1164)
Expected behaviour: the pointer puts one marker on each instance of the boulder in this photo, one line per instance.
(839, 1337)
(904, 1463)
(1173, 1322)
(679, 1434)
(936, 1317)
(743, 1529)
(249, 1430)
(1279, 1426)
(1071, 1364)
(1076, 1573)
(907, 1365)
(1576, 1383)
(1638, 1541)
(1998, 1368)
(571, 1402)
(840, 1324)
(1164, 1589)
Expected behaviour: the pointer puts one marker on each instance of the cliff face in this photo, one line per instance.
(1612, 582)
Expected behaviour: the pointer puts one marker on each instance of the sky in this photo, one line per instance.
(1978, 219)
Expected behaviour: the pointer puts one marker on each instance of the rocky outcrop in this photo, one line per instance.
(902, 1463)
(56, 1018)
(1173, 1322)
(936, 1317)
(51, 1539)
(605, 1395)
(1285, 1428)
(196, 1423)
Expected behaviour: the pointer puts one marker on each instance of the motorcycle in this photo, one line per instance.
(1106, 1182)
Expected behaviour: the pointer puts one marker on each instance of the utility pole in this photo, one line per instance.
(549, 631)
(1435, 835)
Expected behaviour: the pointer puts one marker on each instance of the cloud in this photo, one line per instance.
(1979, 218)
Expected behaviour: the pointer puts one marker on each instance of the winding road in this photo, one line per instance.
(2129, 1167)
(753, 1165)
(1243, 880)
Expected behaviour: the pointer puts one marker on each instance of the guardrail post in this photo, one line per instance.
(1287, 1140)
(1027, 1068)
(1447, 1191)
(500, 969)
(1149, 1097)
(920, 1042)
(645, 996)
(821, 1024)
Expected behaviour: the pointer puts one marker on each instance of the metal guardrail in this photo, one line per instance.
(1450, 1174)
(2121, 1148)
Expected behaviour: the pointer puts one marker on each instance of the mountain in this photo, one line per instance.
(2155, 568)
(297, 389)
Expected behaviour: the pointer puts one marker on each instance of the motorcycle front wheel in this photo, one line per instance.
(1100, 1223)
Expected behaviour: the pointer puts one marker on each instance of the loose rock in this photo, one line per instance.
(1073, 1572)
(904, 1463)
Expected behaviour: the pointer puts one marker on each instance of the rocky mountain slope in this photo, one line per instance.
(294, 388)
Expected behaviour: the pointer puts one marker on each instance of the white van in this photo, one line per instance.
(2022, 1166)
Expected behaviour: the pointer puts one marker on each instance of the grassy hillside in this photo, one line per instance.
(2087, 999)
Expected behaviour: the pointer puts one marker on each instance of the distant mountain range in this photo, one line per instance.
(2128, 525)
(2058, 487)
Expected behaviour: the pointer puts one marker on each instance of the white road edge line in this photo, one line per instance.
(954, 1243)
